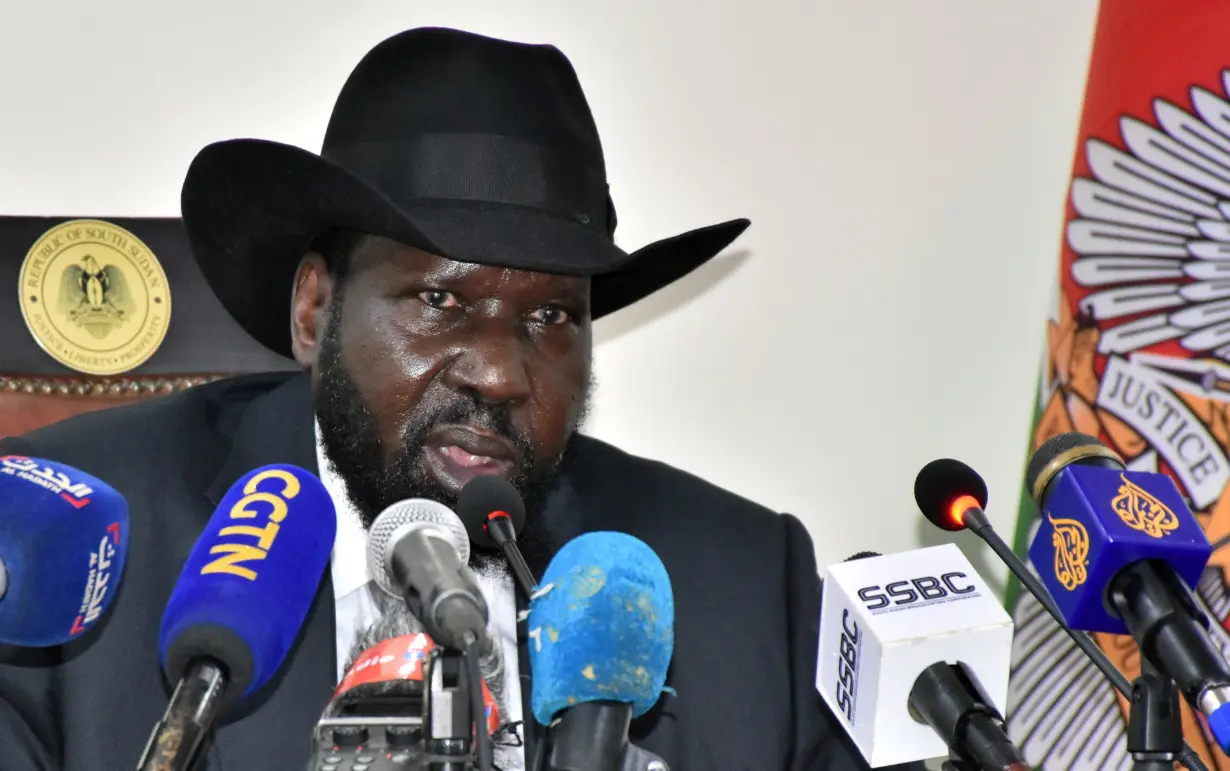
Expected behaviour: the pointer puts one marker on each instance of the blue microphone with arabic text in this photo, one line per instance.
(1118, 551)
(63, 542)
(244, 593)
(602, 633)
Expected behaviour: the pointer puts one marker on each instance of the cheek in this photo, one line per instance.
(558, 399)
(391, 370)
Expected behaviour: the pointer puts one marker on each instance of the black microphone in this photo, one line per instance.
(945, 698)
(493, 513)
(953, 496)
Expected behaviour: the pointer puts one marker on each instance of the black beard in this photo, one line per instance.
(374, 482)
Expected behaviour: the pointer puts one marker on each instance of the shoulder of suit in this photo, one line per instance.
(609, 467)
(150, 427)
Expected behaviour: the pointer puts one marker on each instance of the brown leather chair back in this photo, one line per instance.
(201, 342)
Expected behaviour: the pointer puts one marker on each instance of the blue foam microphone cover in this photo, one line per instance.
(249, 582)
(601, 626)
(63, 540)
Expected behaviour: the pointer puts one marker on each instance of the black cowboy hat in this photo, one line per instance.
(475, 149)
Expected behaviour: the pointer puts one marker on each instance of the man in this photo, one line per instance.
(435, 271)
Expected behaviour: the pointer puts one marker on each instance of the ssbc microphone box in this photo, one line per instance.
(885, 619)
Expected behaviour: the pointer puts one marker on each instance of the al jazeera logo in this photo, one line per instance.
(1141, 511)
(95, 297)
(1071, 542)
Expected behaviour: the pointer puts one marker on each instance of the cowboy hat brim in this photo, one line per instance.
(251, 207)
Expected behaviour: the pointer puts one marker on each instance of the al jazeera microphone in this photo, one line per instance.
(1118, 551)
(953, 496)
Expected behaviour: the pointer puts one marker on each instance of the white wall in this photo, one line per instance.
(904, 165)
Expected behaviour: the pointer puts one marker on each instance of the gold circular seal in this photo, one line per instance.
(95, 297)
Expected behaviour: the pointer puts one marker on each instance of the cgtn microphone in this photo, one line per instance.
(601, 635)
(63, 542)
(1117, 551)
(376, 716)
(244, 593)
(914, 658)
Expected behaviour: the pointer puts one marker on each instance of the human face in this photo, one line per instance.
(429, 372)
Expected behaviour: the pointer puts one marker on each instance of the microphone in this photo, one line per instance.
(63, 542)
(239, 604)
(1122, 549)
(493, 514)
(914, 658)
(953, 496)
(418, 550)
(376, 717)
(602, 632)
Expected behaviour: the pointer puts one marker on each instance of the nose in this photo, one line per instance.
(492, 367)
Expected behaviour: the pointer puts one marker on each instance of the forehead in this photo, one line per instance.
(388, 261)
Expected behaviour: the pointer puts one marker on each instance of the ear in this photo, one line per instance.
(310, 300)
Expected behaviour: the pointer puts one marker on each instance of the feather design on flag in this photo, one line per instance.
(1152, 236)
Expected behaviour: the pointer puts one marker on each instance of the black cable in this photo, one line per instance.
(478, 709)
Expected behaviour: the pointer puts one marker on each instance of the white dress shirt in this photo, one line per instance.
(355, 609)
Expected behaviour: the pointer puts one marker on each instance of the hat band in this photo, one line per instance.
(481, 167)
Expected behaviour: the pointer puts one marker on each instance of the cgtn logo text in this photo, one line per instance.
(98, 581)
(233, 555)
(76, 493)
(917, 592)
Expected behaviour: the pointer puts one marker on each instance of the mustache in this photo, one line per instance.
(495, 418)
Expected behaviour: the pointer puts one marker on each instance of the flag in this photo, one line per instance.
(1138, 341)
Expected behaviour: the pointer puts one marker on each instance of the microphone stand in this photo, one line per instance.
(1155, 725)
(448, 725)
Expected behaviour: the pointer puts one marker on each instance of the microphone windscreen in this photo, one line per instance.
(63, 540)
(943, 482)
(1060, 451)
(249, 582)
(484, 495)
(601, 627)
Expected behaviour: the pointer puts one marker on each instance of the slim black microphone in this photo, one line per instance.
(952, 496)
(493, 513)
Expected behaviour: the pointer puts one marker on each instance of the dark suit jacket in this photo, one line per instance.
(744, 580)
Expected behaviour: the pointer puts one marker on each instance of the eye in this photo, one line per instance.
(438, 298)
(551, 315)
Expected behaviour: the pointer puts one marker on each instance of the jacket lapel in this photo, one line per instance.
(276, 427)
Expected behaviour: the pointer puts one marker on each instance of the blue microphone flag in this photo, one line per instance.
(246, 588)
(601, 626)
(1098, 521)
(63, 543)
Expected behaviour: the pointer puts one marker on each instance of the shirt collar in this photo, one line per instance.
(349, 563)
